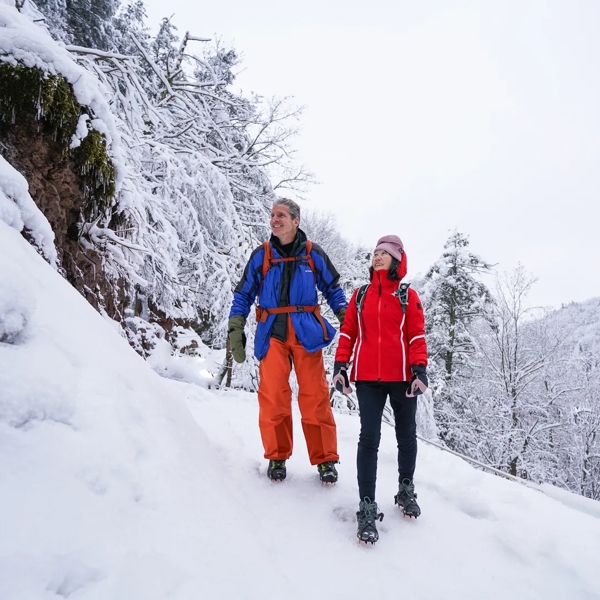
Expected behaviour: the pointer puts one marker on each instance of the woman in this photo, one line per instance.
(384, 325)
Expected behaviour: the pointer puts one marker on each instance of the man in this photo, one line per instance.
(285, 274)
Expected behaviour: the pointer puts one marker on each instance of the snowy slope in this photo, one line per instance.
(118, 484)
(108, 489)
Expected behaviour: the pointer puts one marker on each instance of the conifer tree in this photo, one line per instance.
(55, 15)
(86, 23)
(455, 298)
(89, 22)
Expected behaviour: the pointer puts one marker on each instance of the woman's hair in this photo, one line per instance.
(392, 271)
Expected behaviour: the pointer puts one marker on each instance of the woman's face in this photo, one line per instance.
(381, 260)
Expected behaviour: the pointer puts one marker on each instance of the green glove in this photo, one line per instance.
(237, 338)
(340, 314)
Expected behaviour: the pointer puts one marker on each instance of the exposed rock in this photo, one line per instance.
(71, 187)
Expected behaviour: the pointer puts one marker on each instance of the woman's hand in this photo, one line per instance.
(419, 382)
(340, 378)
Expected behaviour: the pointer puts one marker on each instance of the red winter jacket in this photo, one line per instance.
(386, 341)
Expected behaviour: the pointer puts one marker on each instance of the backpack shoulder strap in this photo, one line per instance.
(311, 262)
(266, 265)
(309, 259)
(360, 297)
(268, 259)
(267, 256)
(402, 293)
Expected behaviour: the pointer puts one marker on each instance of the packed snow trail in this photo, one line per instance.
(479, 536)
(118, 484)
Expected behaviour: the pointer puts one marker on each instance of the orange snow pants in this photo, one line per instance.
(275, 401)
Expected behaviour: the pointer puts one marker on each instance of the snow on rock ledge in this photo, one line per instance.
(18, 210)
(22, 42)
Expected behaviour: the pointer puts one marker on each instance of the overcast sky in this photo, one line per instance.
(425, 117)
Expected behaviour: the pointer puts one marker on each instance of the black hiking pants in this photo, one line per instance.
(371, 401)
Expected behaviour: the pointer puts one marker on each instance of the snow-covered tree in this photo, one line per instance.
(455, 299)
(81, 22)
(130, 32)
(574, 448)
(512, 399)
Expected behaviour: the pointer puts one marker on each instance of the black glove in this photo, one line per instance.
(340, 378)
(237, 338)
(340, 314)
(419, 382)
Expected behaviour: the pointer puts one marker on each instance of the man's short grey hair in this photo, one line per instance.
(294, 208)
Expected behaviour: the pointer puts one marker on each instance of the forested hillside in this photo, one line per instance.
(129, 160)
(514, 387)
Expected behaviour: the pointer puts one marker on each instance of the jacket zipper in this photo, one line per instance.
(379, 331)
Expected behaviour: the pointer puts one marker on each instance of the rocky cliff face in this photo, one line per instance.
(38, 119)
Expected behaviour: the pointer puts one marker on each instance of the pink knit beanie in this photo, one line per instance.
(392, 244)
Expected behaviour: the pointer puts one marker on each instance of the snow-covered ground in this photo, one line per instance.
(117, 484)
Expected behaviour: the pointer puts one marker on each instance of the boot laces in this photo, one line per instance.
(368, 511)
(407, 490)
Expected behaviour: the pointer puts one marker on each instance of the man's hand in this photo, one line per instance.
(419, 382)
(340, 314)
(340, 378)
(237, 338)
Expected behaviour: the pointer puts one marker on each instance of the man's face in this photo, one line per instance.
(282, 224)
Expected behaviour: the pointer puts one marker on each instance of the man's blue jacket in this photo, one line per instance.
(302, 291)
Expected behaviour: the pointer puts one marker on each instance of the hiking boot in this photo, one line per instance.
(276, 470)
(366, 517)
(327, 472)
(406, 499)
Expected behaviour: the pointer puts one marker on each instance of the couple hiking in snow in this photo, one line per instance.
(383, 326)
